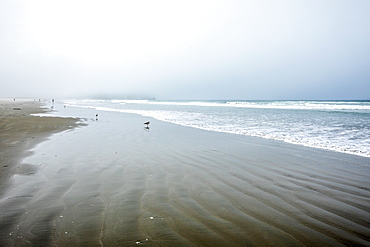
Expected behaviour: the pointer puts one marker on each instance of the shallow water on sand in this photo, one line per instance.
(114, 183)
(342, 126)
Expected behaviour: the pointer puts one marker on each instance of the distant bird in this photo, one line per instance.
(96, 116)
(147, 124)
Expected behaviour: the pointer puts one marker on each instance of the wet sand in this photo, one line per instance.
(20, 132)
(115, 183)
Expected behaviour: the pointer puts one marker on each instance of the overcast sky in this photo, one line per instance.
(260, 49)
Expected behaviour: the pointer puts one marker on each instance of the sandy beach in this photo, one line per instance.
(112, 182)
(20, 132)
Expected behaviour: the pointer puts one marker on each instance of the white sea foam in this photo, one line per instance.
(190, 120)
(294, 105)
(51, 115)
(175, 103)
(43, 115)
(302, 105)
(130, 101)
(338, 131)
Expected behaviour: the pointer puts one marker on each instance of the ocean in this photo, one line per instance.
(341, 126)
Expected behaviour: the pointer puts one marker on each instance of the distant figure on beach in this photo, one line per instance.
(147, 125)
(96, 117)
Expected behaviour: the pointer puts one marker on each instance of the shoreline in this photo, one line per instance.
(20, 132)
(340, 134)
(114, 182)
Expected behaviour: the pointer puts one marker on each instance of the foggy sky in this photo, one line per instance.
(262, 49)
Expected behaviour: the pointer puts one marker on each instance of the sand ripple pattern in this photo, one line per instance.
(114, 184)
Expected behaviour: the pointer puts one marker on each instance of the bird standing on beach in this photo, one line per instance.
(96, 116)
(147, 124)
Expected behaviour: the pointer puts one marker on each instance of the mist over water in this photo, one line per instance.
(342, 126)
(227, 49)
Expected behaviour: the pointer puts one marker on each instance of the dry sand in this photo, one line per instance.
(114, 183)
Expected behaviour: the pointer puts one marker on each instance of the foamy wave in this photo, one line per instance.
(338, 136)
(93, 100)
(303, 105)
(185, 119)
(43, 115)
(130, 101)
(295, 105)
(174, 103)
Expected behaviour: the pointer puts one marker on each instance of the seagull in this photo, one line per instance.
(147, 124)
(96, 116)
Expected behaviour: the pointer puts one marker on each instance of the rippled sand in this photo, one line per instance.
(114, 183)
